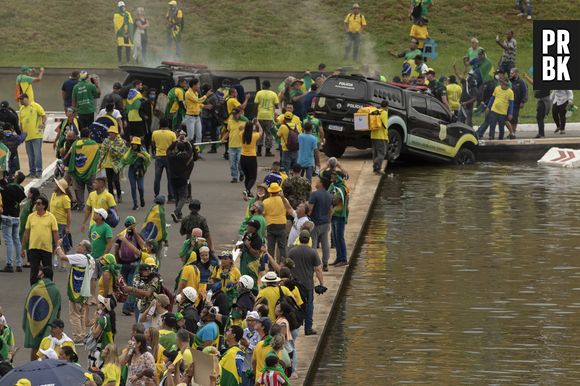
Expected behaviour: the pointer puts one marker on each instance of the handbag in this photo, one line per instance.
(92, 343)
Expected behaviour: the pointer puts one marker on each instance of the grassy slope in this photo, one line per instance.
(263, 34)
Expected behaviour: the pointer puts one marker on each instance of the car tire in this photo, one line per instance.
(333, 147)
(395, 145)
(464, 156)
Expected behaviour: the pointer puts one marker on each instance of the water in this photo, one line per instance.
(466, 277)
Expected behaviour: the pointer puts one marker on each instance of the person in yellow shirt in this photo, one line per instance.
(380, 139)
(235, 129)
(111, 368)
(270, 294)
(193, 106)
(295, 120)
(453, 94)
(32, 121)
(56, 339)
(249, 160)
(24, 81)
(500, 108)
(288, 134)
(267, 101)
(41, 233)
(60, 207)
(99, 198)
(161, 139)
(354, 25)
(419, 31)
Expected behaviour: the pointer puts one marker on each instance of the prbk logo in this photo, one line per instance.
(556, 54)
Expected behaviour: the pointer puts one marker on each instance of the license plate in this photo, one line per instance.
(335, 127)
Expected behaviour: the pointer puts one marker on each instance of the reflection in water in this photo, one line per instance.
(476, 281)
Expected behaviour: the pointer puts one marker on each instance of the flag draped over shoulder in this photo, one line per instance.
(4, 156)
(131, 157)
(42, 306)
(154, 227)
(85, 156)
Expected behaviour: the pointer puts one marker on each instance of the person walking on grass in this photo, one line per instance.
(174, 19)
(123, 23)
(138, 160)
(380, 140)
(509, 45)
(525, 8)
(249, 160)
(354, 25)
(32, 121)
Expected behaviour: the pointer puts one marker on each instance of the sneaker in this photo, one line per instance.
(341, 264)
(310, 332)
(250, 195)
(521, 14)
(142, 203)
(18, 269)
(174, 217)
(539, 136)
(241, 178)
(325, 268)
(511, 136)
(7, 269)
(556, 131)
(529, 17)
(334, 263)
(135, 207)
(245, 195)
(234, 180)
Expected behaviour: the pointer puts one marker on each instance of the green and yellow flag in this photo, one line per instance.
(42, 306)
(4, 156)
(154, 227)
(85, 156)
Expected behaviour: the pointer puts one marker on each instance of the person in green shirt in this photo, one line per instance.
(410, 53)
(317, 131)
(83, 98)
(104, 328)
(339, 216)
(24, 82)
(425, 6)
(473, 49)
(100, 234)
(7, 338)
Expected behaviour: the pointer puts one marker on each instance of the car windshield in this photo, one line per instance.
(344, 88)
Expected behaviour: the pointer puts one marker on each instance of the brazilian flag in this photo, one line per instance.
(42, 306)
(85, 155)
(4, 156)
(154, 227)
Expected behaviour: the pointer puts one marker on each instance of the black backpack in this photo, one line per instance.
(221, 109)
(296, 310)
(417, 9)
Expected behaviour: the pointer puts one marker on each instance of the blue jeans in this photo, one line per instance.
(495, 119)
(483, 128)
(65, 237)
(308, 172)
(10, 232)
(128, 271)
(309, 309)
(247, 381)
(352, 42)
(136, 182)
(193, 124)
(160, 164)
(289, 159)
(235, 155)
(34, 153)
(525, 6)
(338, 225)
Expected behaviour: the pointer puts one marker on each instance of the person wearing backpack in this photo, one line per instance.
(354, 25)
(288, 133)
(270, 294)
(128, 252)
(82, 266)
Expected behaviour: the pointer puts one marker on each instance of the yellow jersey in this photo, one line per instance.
(355, 22)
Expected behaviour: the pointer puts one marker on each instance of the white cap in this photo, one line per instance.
(253, 315)
(103, 213)
(190, 293)
(49, 353)
(247, 281)
(121, 4)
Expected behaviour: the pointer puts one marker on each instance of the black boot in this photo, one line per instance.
(259, 152)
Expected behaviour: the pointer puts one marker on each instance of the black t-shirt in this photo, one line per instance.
(255, 240)
(12, 195)
(305, 260)
(322, 201)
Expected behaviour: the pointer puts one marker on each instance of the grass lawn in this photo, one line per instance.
(265, 34)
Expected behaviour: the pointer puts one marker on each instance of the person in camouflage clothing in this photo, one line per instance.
(195, 220)
(296, 188)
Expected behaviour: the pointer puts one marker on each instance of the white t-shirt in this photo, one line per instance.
(78, 259)
(295, 230)
(116, 114)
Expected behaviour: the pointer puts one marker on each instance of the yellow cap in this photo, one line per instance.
(113, 129)
(23, 382)
(288, 115)
(274, 188)
(136, 141)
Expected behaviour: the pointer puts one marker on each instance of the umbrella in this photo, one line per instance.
(46, 373)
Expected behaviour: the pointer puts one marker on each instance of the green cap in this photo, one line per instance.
(24, 68)
(130, 220)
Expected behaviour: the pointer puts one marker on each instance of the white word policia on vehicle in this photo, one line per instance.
(556, 54)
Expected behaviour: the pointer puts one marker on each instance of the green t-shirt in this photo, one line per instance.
(99, 234)
(410, 55)
(107, 328)
(8, 341)
(295, 93)
(315, 122)
(484, 70)
(424, 6)
(84, 93)
(471, 53)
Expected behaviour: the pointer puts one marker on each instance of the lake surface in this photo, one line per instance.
(467, 276)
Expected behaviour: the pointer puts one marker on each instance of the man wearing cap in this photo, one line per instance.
(161, 139)
(67, 88)
(41, 233)
(82, 265)
(288, 133)
(113, 149)
(99, 198)
(12, 196)
(354, 25)
(195, 220)
(267, 101)
(174, 19)
(153, 315)
(32, 121)
(276, 207)
(146, 283)
(409, 53)
(270, 294)
(60, 207)
(56, 339)
(437, 88)
(123, 23)
(83, 98)
(114, 97)
(296, 95)
(249, 341)
(100, 233)
(24, 81)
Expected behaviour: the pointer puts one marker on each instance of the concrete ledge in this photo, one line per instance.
(363, 185)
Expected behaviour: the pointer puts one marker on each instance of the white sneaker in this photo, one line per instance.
(521, 14)
(529, 17)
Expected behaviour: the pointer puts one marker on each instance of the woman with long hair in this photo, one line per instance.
(111, 369)
(140, 37)
(287, 321)
(103, 328)
(138, 161)
(249, 159)
(141, 361)
(69, 355)
(152, 336)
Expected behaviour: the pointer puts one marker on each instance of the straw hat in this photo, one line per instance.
(271, 277)
(62, 184)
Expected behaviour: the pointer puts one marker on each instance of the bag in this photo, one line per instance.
(296, 309)
(120, 296)
(112, 217)
(221, 108)
(126, 254)
(92, 343)
(417, 10)
(292, 141)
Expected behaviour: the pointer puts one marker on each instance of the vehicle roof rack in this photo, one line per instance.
(409, 86)
(184, 66)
